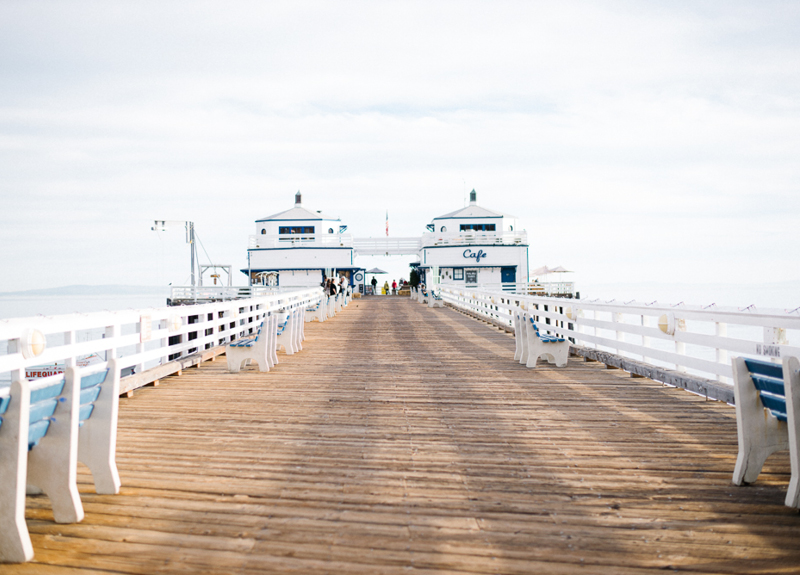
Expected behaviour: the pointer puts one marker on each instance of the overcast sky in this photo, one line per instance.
(636, 141)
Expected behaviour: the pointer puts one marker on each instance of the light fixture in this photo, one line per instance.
(32, 343)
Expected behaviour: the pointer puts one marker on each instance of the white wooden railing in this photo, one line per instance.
(263, 241)
(687, 338)
(469, 238)
(140, 339)
(207, 293)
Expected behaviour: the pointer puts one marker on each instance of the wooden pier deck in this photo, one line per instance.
(406, 440)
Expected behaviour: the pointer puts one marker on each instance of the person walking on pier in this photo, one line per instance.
(394, 287)
(374, 285)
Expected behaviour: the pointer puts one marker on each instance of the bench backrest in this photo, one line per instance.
(91, 386)
(45, 399)
(768, 380)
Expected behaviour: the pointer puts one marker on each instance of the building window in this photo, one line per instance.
(296, 230)
(330, 230)
(458, 273)
(263, 231)
(443, 229)
(478, 227)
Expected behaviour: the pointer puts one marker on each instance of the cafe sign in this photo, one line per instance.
(477, 256)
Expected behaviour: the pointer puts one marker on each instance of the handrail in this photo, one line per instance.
(688, 338)
(139, 338)
(262, 241)
(473, 238)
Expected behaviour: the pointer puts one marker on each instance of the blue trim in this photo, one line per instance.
(472, 218)
(464, 246)
(321, 270)
(306, 220)
(450, 266)
(297, 248)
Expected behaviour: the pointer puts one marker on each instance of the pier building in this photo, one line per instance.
(299, 248)
(471, 246)
(474, 245)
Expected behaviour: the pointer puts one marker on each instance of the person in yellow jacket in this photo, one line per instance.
(385, 287)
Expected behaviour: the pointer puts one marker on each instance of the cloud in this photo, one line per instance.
(628, 137)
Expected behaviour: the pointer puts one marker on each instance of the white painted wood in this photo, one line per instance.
(97, 438)
(597, 316)
(53, 463)
(15, 542)
(791, 382)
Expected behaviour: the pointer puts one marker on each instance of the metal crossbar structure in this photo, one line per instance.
(687, 338)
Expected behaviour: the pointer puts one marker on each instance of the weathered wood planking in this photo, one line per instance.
(406, 439)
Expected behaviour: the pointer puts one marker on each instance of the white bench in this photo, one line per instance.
(424, 297)
(434, 300)
(553, 348)
(767, 399)
(316, 312)
(285, 332)
(46, 428)
(253, 348)
(331, 306)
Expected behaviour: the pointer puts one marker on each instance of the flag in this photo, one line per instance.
(387, 223)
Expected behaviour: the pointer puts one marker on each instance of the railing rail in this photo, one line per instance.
(473, 238)
(687, 338)
(139, 338)
(213, 293)
(262, 241)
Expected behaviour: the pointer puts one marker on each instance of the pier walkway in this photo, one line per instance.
(404, 439)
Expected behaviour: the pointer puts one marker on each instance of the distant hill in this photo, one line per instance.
(84, 290)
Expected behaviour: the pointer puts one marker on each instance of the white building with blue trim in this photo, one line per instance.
(472, 245)
(299, 247)
(475, 245)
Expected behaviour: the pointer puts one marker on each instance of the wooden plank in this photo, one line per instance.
(406, 438)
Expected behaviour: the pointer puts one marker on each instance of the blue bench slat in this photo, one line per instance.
(53, 390)
(761, 367)
(768, 384)
(4, 404)
(94, 379)
(776, 405)
(42, 410)
(36, 431)
(86, 412)
(89, 395)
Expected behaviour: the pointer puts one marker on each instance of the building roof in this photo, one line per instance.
(299, 213)
(473, 210)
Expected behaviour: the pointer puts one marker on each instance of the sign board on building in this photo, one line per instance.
(471, 276)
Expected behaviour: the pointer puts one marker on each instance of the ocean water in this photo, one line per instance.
(33, 305)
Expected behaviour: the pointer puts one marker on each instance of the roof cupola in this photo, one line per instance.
(473, 198)
(298, 199)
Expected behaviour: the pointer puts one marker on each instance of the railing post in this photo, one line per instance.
(69, 339)
(721, 330)
(111, 333)
(616, 317)
(645, 338)
(680, 347)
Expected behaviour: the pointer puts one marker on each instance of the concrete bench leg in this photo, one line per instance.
(759, 435)
(519, 336)
(97, 439)
(15, 541)
(791, 382)
(525, 330)
(53, 463)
